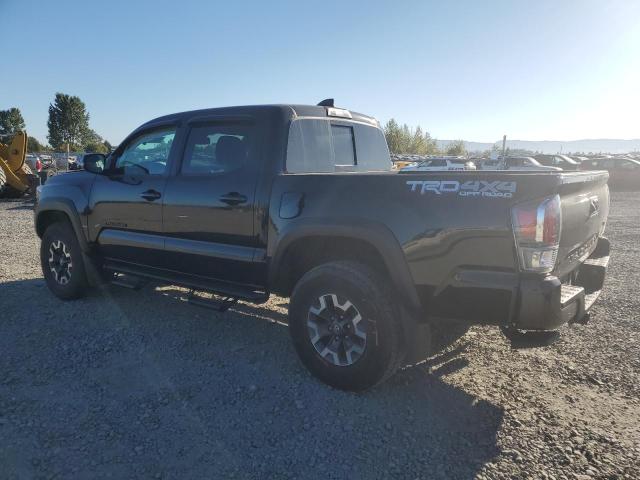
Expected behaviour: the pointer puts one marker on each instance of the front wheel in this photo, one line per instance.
(62, 262)
(345, 326)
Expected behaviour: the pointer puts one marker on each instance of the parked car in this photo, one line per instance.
(77, 162)
(382, 267)
(515, 163)
(441, 164)
(578, 158)
(624, 173)
(561, 161)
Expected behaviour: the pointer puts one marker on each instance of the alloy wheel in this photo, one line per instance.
(337, 330)
(60, 262)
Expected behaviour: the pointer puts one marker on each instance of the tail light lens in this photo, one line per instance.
(38, 165)
(537, 227)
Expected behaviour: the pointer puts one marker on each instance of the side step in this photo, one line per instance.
(222, 289)
(219, 304)
(129, 281)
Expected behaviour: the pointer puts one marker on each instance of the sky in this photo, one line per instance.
(543, 70)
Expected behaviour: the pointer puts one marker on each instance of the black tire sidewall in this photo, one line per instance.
(77, 285)
(374, 306)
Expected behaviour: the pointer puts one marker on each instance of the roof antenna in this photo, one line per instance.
(327, 102)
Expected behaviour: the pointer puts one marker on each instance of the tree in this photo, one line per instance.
(11, 121)
(94, 143)
(392, 134)
(407, 140)
(33, 145)
(68, 122)
(456, 148)
(431, 144)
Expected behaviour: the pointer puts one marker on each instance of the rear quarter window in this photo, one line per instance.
(325, 146)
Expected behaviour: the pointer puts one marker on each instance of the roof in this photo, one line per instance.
(290, 111)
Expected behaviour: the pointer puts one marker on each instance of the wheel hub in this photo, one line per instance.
(60, 262)
(336, 330)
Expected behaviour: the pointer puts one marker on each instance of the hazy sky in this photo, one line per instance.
(535, 70)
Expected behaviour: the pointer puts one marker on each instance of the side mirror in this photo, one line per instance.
(94, 162)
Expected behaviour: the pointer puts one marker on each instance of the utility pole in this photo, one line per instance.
(504, 149)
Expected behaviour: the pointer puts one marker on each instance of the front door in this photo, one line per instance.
(126, 202)
(208, 204)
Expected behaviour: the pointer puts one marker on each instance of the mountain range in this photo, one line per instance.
(602, 145)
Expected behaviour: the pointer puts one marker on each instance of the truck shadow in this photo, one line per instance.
(142, 382)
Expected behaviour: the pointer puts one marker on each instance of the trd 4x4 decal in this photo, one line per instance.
(471, 188)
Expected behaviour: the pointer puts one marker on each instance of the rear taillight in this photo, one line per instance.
(38, 165)
(537, 227)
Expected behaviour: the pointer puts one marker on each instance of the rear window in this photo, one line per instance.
(325, 146)
(344, 146)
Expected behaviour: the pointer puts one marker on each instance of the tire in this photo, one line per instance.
(69, 280)
(345, 300)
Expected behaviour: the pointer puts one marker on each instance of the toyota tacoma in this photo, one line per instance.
(381, 266)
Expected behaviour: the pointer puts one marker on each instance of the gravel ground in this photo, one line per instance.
(127, 384)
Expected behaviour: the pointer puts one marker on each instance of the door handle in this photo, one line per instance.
(151, 195)
(233, 198)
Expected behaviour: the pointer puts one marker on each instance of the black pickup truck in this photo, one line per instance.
(301, 201)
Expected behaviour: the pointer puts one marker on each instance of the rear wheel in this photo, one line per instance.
(345, 327)
(62, 262)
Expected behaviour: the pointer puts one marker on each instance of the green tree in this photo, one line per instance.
(392, 134)
(68, 122)
(418, 144)
(405, 140)
(456, 148)
(92, 147)
(94, 143)
(11, 121)
(431, 145)
(33, 145)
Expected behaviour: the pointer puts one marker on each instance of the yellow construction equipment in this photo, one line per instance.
(16, 178)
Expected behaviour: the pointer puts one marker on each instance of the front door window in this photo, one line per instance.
(147, 153)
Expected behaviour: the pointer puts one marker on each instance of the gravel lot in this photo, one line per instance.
(127, 384)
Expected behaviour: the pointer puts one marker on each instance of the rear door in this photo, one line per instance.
(126, 202)
(208, 206)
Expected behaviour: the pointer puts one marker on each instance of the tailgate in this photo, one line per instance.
(585, 206)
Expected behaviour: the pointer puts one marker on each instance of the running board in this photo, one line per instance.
(222, 289)
(220, 304)
(129, 281)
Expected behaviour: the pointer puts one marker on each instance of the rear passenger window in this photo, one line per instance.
(217, 148)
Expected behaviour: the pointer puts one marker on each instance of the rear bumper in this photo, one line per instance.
(547, 303)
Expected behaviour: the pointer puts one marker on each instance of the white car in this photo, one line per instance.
(440, 164)
(516, 163)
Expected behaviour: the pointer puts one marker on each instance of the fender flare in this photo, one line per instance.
(66, 206)
(373, 233)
